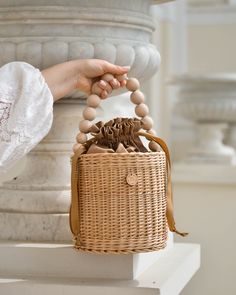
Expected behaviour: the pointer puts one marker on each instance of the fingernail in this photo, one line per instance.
(114, 82)
(104, 94)
(123, 83)
(126, 67)
(102, 83)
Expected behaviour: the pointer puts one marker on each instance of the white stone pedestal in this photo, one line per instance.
(209, 147)
(63, 261)
(57, 269)
(210, 101)
(34, 205)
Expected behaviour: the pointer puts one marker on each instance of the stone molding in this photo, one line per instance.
(144, 59)
(34, 31)
(75, 15)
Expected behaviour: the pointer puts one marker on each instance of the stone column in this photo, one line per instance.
(209, 101)
(34, 206)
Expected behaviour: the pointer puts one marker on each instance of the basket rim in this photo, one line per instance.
(132, 154)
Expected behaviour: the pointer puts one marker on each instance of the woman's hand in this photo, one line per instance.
(84, 75)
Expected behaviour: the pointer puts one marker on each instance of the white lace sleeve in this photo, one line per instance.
(26, 105)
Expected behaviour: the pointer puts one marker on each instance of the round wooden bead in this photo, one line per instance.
(132, 84)
(107, 77)
(137, 97)
(154, 146)
(121, 77)
(89, 113)
(93, 101)
(81, 138)
(147, 123)
(79, 148)
(76, 147)
(84, 126)
(141, 110)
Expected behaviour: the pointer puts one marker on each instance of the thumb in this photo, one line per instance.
(116, 70)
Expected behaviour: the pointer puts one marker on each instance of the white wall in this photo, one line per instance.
(212, 48)
(205, 203)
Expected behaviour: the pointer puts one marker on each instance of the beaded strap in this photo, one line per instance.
(136, 97)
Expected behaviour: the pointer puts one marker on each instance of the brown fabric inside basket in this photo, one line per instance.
(116, 136)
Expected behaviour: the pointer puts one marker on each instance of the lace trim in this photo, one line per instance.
(6, 135)
(25, 111)
(5, 108)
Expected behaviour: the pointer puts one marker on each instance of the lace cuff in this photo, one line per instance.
(26, 106)
(4, 116)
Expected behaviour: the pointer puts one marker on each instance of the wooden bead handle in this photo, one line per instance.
(136, 97)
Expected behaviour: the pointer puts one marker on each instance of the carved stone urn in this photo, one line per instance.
(34, 205)
(209, 101)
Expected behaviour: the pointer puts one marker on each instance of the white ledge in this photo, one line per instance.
(167, 276)
(63, 261)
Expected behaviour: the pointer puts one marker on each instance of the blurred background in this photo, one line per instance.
(195, 112)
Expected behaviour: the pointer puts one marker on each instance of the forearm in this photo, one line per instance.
(62, 78)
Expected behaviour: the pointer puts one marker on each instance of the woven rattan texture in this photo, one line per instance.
(114, 216)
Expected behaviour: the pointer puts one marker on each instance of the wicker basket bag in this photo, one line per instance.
(121, 191)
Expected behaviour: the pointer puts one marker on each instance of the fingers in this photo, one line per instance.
(115, 70)
(123, 83)
(102, 89)
(108, 83)
(105, 86)
(115, 84)
(96, 89)
(113, 81)
(122, 79)
(104, 94)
